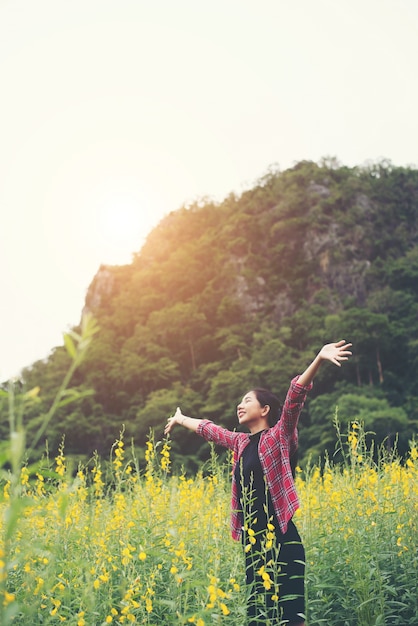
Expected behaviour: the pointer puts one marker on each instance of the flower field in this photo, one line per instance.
(115, 545)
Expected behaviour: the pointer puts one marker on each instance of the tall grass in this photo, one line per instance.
(110, 544)
(359, 521)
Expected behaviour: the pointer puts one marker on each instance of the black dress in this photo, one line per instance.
(274, 562)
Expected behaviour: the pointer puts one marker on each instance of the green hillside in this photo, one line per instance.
(225, 296)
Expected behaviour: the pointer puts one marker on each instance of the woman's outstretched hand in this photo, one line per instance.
(336, 352)
(173, 420)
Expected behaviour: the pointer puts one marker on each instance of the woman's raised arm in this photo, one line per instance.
(334, 352)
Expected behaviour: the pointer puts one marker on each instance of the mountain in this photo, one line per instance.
(226, 296)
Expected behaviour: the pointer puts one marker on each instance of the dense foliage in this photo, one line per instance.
(225, 296)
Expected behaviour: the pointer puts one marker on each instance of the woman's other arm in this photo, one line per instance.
(205, 428)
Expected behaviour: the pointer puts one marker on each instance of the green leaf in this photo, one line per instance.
(72, 395)
(70, 347)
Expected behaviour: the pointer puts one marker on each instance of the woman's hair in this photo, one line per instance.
(266, 397)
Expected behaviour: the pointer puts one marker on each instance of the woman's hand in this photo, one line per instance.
(192, 423)
(173, 420)
(336, 352)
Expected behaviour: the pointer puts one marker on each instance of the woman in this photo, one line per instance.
(264, 497)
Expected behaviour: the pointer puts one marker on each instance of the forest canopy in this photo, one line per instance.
(225, 296)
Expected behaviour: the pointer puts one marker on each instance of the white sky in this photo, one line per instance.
(116, 112)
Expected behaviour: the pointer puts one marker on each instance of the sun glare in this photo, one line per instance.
(121, 228)
(118, 223)
(122, 222)
(108, 220)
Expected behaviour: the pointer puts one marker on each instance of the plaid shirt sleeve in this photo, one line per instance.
(276, 446)
(219, 435)
(293, 405)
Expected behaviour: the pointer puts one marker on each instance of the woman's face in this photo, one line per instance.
(250, 412)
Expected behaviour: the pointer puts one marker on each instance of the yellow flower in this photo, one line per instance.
(6, 490)
(60, 463)
(24, 476)
(8, 598)
(165, 457)
(224, 609)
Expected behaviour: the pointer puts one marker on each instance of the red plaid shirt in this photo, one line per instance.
(276, 446)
